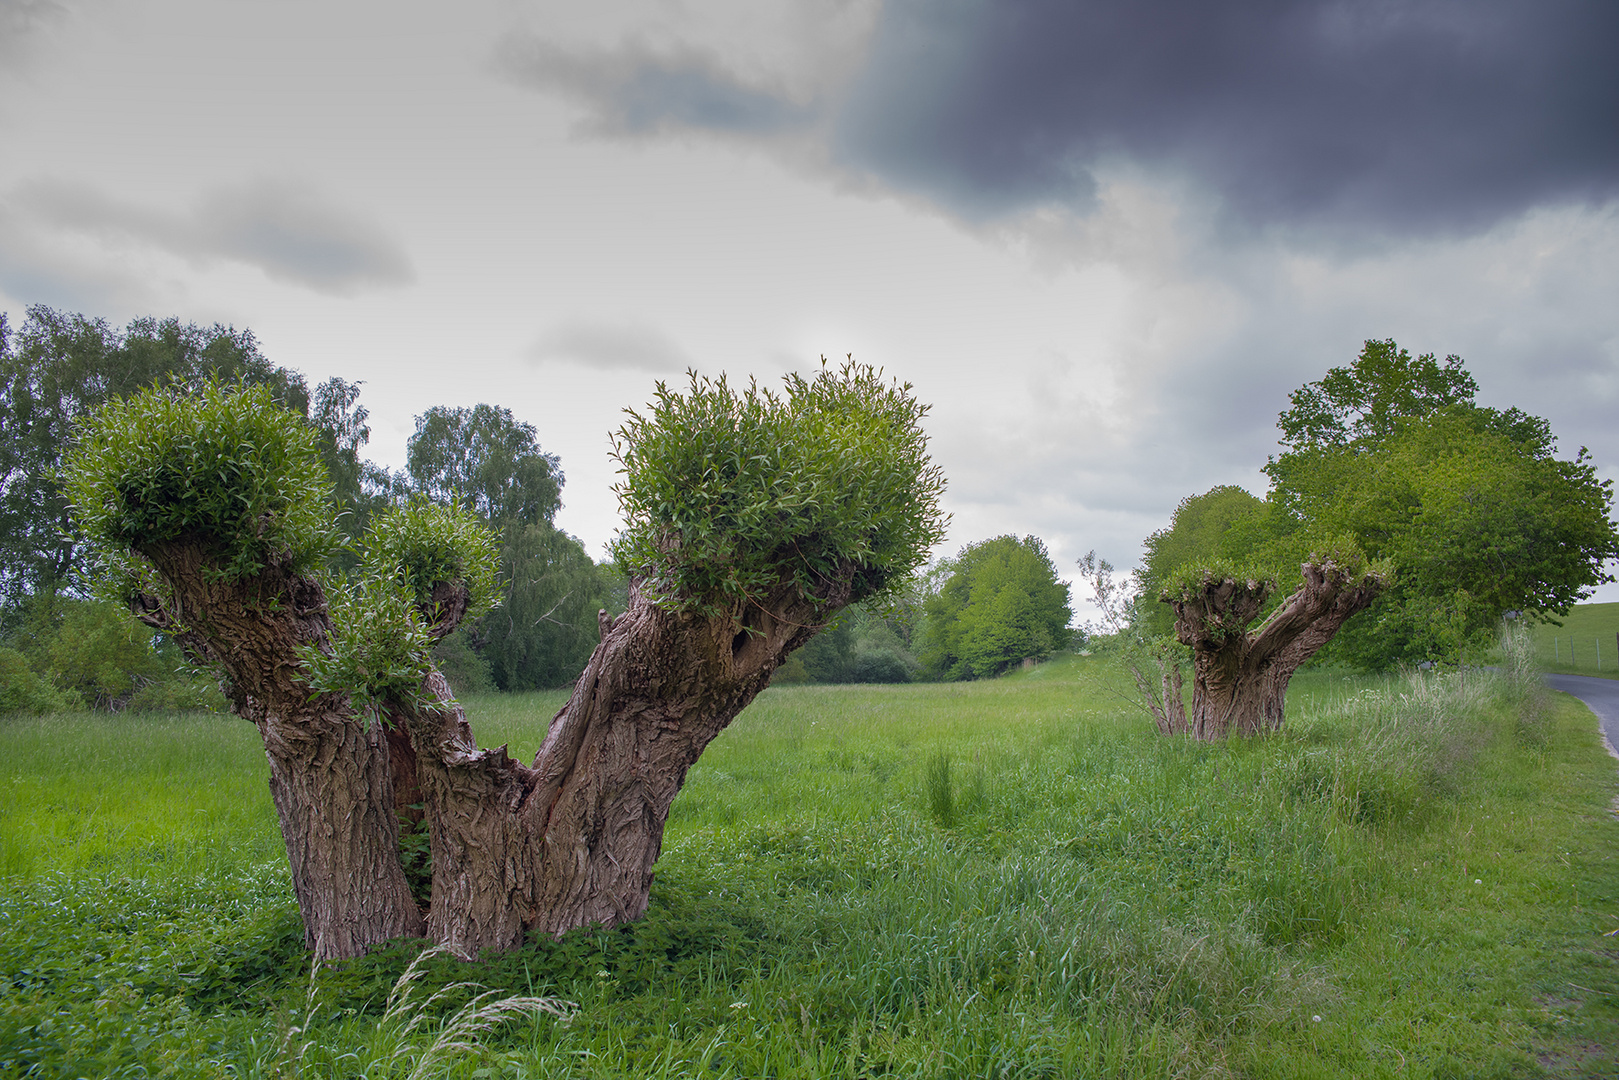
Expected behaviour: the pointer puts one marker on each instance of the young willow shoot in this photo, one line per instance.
(225, 466)
(729, 495)
(425, 568)
(423, 546)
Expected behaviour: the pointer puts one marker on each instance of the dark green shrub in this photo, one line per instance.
(859, 647)
(23, 691)
(880, 665)
(99, 653)
(100, 658)
(461, 666)
(181, 693)
(1000, 604)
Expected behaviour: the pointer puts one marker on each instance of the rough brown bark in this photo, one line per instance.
(402, 770)
(1239, 678)
(571, 840)
(565, 842)
(329, 766)
(1172, 720)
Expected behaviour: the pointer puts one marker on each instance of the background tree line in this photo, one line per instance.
(982, 612)
(979, 614)
(1391, 455)
(61, 647)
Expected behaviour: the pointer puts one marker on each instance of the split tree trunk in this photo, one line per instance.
(565, 842)
(570, 840)
(329, 766)
(1239, 678)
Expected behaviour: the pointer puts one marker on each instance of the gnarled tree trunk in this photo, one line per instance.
(565, 842)
(570, 840)
(1239, 678)
(329, 765)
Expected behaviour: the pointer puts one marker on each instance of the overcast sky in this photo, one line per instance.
(1104, 240)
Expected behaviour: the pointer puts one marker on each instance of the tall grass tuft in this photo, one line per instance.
(1396, 748)
(412, 1038)
(937, 789)
(1526, 687)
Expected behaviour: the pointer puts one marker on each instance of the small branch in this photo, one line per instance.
(783, 619)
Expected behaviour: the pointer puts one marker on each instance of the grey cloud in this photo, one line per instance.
(1401, 117)
(611, 346)
(33, 269)
(23, 23)
(290, 233)
(633, 90)
(286, 230)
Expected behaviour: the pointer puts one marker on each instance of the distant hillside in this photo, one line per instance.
(1574, 648)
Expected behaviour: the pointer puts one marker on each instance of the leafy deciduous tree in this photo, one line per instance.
(1397, 493)
(1469, 504)
(359, 488)
(1363, 402)
(545, 627)
(489, 460)
(1000, 604)
(1476, 518)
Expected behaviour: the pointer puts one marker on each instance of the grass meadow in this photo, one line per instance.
(1010, 878)
(1587, 642)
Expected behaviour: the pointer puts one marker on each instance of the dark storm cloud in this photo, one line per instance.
(1427, 116)
(1401, 117)
(286, 230)
(633, 90)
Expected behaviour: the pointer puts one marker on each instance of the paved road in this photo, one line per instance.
(1601, 695)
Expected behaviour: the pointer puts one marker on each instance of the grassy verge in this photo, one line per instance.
(1012, 878)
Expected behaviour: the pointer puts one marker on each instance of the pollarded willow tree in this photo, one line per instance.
(1240, 675)
(752, 518)
(1240, 671)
